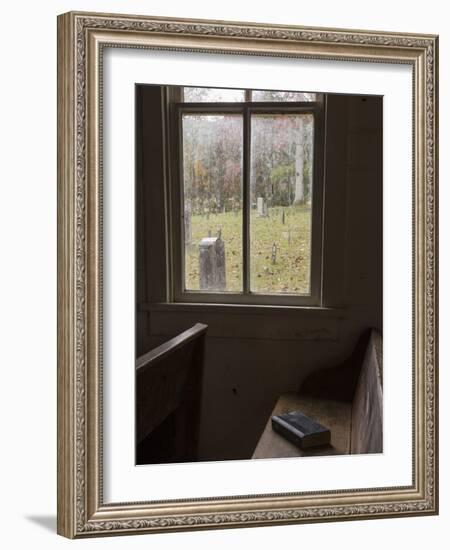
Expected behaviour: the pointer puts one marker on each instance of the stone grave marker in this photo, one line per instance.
(261, 207)
(212, 264)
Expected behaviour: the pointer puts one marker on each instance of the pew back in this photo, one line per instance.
(168, 398)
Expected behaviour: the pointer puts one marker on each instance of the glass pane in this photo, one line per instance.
(197, 95)
(272, 95)
(281, 192)
(212, 186)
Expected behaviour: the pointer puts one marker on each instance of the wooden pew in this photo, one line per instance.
(348, 399)
(168, 399)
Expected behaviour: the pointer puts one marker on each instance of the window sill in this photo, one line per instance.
(237, 321)
(242, 309)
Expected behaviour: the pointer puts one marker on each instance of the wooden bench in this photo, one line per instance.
(168, 399)
(347, 399)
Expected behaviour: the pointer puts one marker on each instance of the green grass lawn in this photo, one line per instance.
(289, 273)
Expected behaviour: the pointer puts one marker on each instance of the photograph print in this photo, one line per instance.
(258, 274)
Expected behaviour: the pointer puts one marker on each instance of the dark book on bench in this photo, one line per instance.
(301, 430)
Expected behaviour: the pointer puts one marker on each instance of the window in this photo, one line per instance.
(247, 189)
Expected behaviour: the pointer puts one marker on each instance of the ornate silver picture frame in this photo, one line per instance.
(82, 509)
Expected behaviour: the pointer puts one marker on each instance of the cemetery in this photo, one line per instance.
(277, 172)
(288, 272)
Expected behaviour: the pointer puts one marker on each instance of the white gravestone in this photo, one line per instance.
(261, 206)
(212, 264)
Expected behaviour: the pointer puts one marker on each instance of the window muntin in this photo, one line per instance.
(303, 282)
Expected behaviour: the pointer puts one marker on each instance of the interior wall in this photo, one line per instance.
(255, 354)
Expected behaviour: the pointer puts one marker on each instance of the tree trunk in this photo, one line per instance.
(299, 181)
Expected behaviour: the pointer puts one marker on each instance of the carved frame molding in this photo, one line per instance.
(81, 37)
